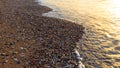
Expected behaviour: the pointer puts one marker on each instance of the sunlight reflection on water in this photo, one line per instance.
(103, 14)
(101, 17)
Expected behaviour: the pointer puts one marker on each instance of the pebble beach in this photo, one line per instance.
(29, 40)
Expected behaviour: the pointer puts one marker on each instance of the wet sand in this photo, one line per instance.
(29, 40)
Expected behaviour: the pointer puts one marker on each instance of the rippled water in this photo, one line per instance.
(100, 17)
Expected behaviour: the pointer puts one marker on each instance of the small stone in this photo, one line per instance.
(12, 47)
(69, 66)
(115, 42)
(47, 66)
(22, 55)
(21, 48)
(81, 65)
(5, 61)
(16, 60)
(41, 39)
(14, 53)
(4, 54)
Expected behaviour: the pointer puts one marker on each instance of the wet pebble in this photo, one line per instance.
(70, 66)
(115, 42)
(80, 65)
(16, 60)
(4, 54)
(24, 49)
(14, 53)
(22, 55)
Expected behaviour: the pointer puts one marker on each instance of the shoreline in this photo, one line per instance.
(30, 40)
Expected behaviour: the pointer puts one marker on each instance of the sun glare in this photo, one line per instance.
(114, 7)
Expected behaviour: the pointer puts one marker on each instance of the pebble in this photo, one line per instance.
(48, 66)
(115, 42)
(3, 54)
(78, 59)
(80, 65)
(12, 47)
(16, 60)
(5, 61)
(14, 53)
(77, 55)
(21, 48)
(22, 55)
(70, 66)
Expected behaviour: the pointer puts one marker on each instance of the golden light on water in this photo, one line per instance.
(102, 16)
(97, 8)
(95, 12)
(114, 7)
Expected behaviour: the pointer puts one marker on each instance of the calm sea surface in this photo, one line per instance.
(101, 18)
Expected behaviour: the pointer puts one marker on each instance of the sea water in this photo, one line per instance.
(101, 18)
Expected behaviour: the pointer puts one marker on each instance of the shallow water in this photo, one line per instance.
(100, 17)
